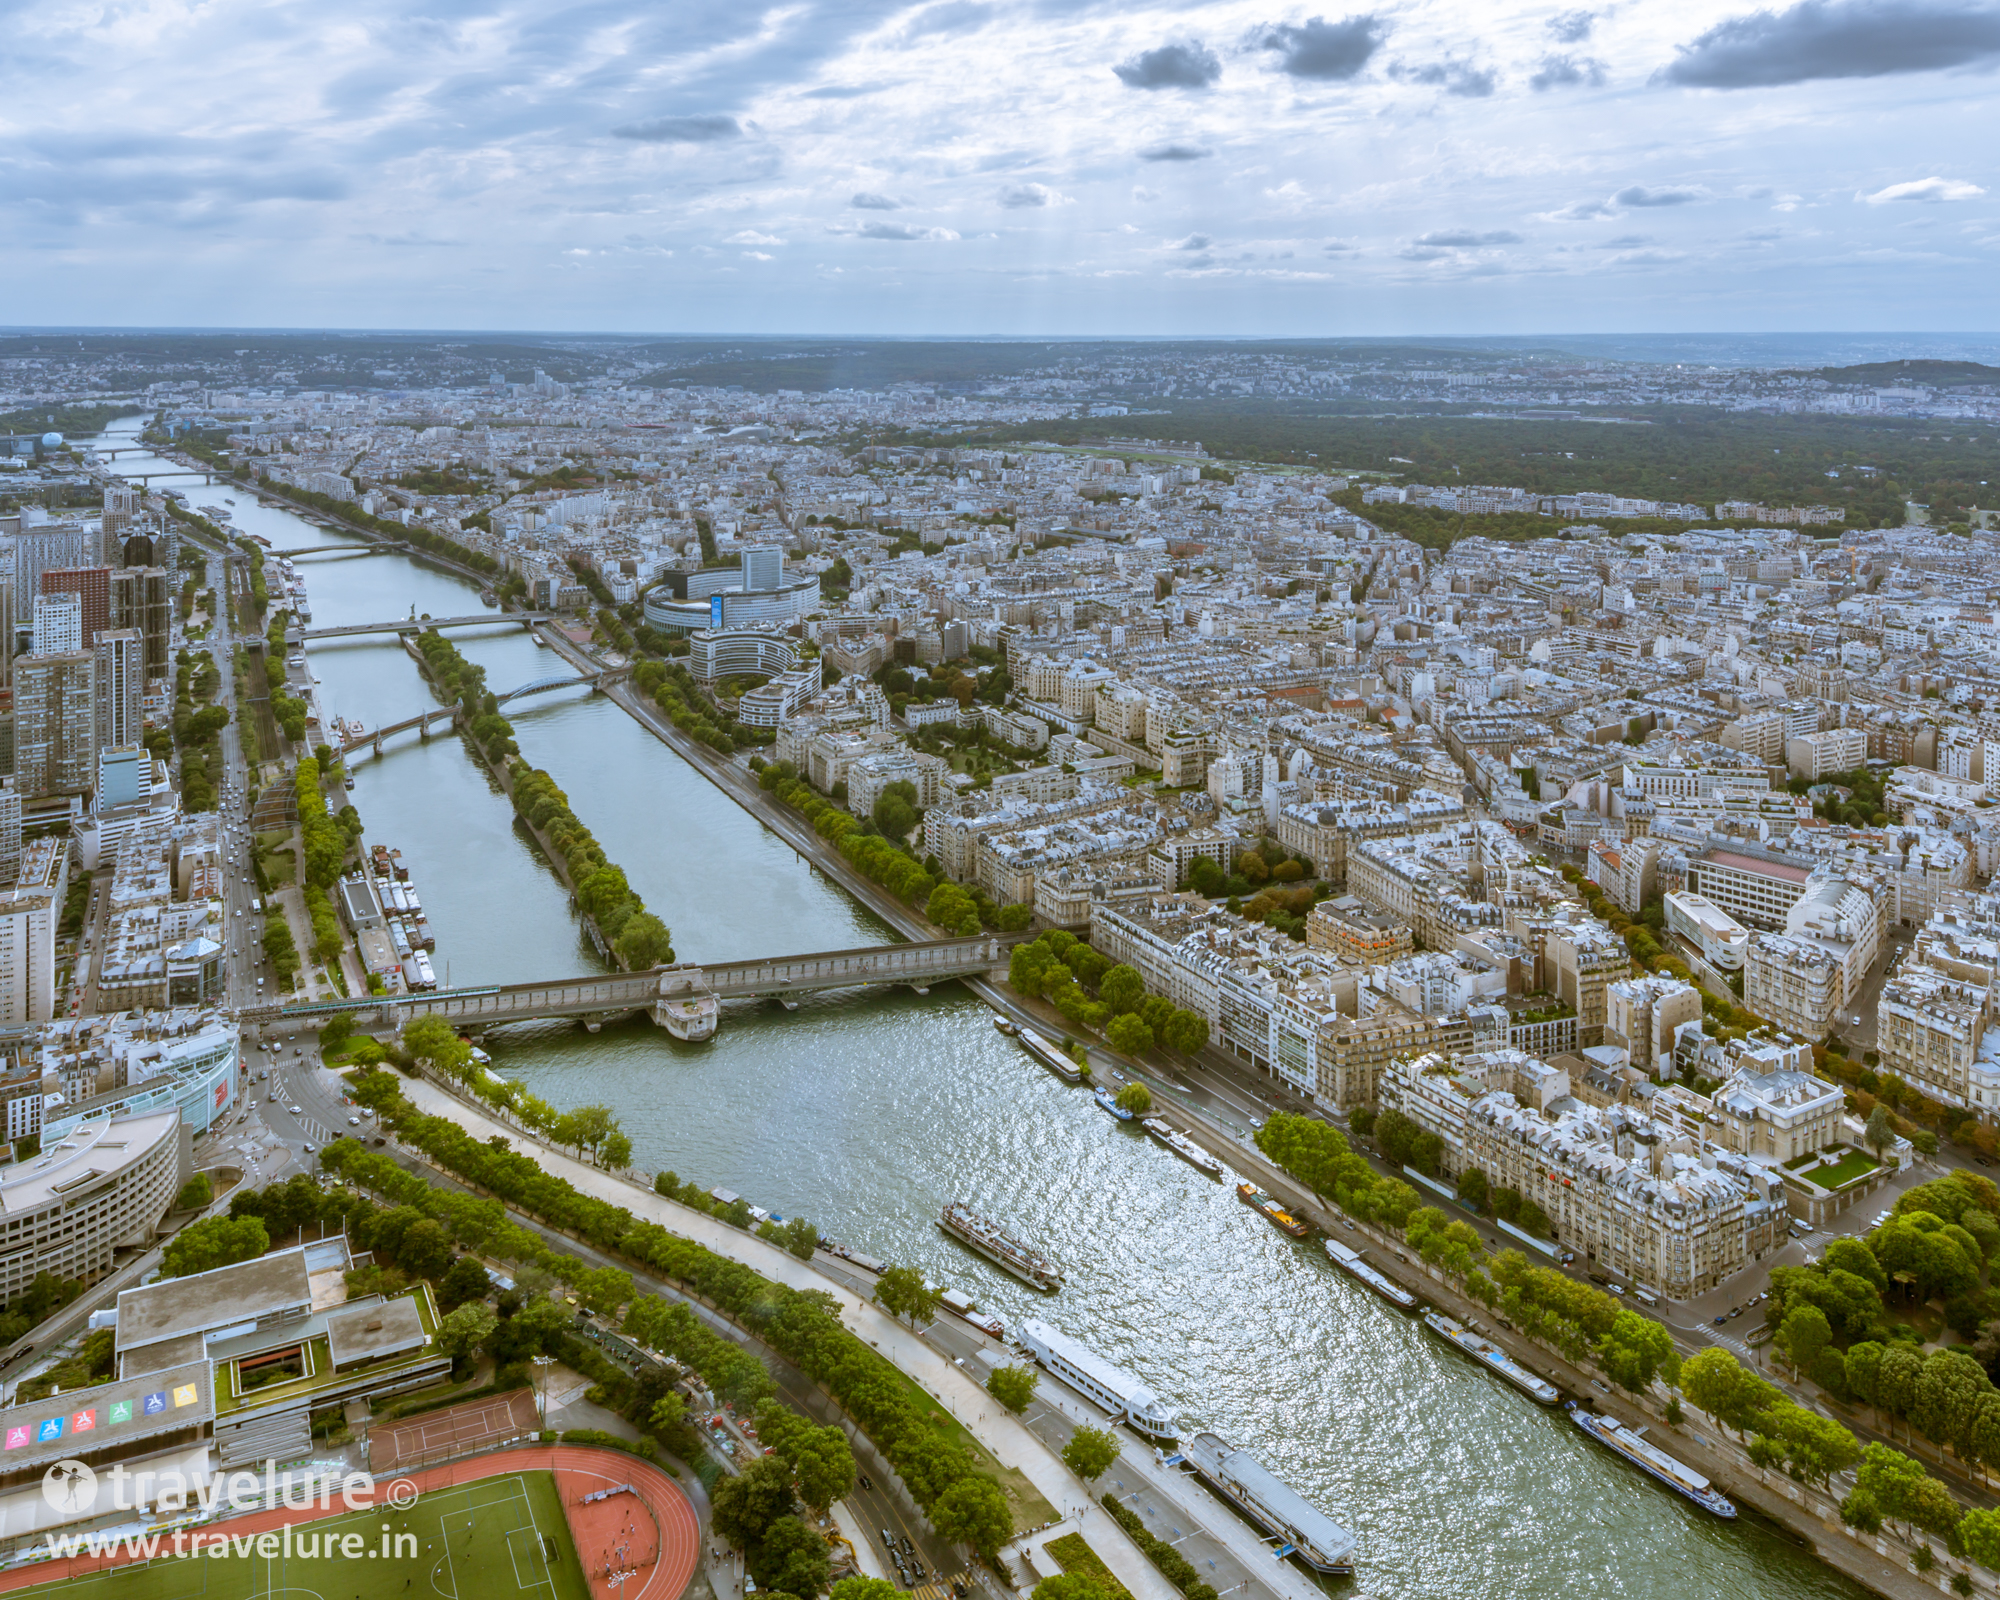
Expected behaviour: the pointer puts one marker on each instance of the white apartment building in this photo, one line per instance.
(1754, 890)
(29, 912)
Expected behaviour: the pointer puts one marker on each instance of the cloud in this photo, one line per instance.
(1464, 239)
(1926, 189)
(1639, 196)
(1175, 152)
(1572, 27)
(897, 232)
(1837, 39)
(1194, 241)
(1328, 51)
(1172, 66)
(1024, 196)
(1581, 211)
(868, 200)
(955, 16)
(681, 130)
(1567, 72)
(1338, 247)
(752, 236)
(1452, 76)
(843, 91)
(1144, 195)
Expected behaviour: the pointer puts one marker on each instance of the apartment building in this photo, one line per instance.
(1639, 1198)
(1756, 890)
(1643, 1015)
(29, 911)
(105, 1184)
(1777, 1113)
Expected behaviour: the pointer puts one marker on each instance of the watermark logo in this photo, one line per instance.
(70, 1488)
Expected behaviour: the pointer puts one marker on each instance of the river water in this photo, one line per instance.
(866, 1114)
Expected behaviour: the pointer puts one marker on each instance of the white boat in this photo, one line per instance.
(1301, 1528)
(1050, 1056)
(1650, 1458)
(1349, 1260)
(1128, 1398)
(1489, 1354)
(960, 1305)
(1182, 1146)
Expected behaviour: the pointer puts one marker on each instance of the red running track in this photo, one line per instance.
(655, 1525)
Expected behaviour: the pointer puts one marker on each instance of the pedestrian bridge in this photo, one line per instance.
(682, 998)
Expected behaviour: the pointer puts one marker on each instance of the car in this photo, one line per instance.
(1736, 1313)
(307, 1148)
(273, 1095)
(1982, 1161)
(1719, 1321)
(296, 1110)
(354, 1122)
(381, 1141)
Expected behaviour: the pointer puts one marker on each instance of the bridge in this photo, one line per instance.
(683, 998)
(206, 474)
(425, 720)
(485, 619)
(373, 740)
(343, 552)
(597, 680)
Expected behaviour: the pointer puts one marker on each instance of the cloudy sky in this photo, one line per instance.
(1001, 166)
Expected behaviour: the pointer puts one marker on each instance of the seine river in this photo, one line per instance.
(867, 1114)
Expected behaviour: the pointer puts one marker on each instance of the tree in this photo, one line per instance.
(1879, 1134)
(195, 1194)
(800, 1237)
(1090, 1452)
(974, 1511)
(1129, 1035)
(466, 1281)
(1804, 1334)
(1013, 1387)
(1135, 1097)
(1069, 1586)
(791, 1559)
(1474, 1190)
(1634, 1350)
(1187, 1032)
(1122, 989)
(214, 1242)
(644, 942)
(902, 1292)
(860, 1588)
(616, 1153)
(467, 1329)
(425, 1249)
(745, 1506)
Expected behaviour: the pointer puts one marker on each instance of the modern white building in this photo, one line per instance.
(29, 911)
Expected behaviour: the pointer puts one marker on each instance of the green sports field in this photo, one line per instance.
(492, 1540)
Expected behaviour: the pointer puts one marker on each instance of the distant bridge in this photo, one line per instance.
(339, 552)
(677, 997)
(485, 619)
(424, 721)
(205, 474)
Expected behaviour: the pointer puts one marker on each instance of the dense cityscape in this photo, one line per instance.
(1558, 911)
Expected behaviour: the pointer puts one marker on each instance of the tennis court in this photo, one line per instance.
(477, 1424)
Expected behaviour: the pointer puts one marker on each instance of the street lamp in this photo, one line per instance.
(541, 1365)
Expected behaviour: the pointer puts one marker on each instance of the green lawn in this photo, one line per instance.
(1076, 1556)
(1027, 1503)
(1848, 1167)
(476, 1541)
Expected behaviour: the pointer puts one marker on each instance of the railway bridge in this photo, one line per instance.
(683, 998)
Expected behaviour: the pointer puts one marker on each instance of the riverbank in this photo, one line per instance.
(1002, 1435)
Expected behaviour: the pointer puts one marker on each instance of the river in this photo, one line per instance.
(866, 1114)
